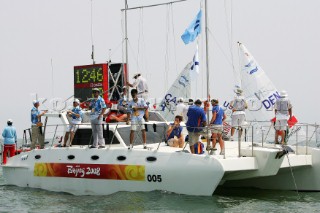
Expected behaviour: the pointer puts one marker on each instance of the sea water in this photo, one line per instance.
(18, 199)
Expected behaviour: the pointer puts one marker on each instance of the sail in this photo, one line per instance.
(258, 89)
(180, 88)
(261, 95)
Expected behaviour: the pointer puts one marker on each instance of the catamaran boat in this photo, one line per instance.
(80, 170)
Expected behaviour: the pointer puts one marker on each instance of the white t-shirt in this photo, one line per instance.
(141, 84)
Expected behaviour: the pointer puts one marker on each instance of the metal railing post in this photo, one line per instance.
(307, 138)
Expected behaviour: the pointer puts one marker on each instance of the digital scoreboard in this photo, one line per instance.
(109, 78)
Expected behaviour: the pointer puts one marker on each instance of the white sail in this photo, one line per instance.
(180, 88)
(259, 91)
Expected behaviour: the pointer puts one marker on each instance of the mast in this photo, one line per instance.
(207, 49)
(126, 77)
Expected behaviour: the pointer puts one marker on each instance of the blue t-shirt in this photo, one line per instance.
(196, 116)
(137, 115)
(9, 134)
(34, 115)
(219, 115)
(76, 110)
(97, 105)
(175, 132)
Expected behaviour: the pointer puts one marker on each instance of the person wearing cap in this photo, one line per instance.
(196, 121)
(181, 109)
(216, 124)
(76, 117)
(36, 125)
(238, 116)
(136, 110)
(121, 114)
(283, 109)
(140, 84)
(98, 108)
(9, 135)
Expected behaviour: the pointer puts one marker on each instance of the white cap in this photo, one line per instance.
(9, 120)
(96, 89)
(283, 94)
(76, 101)
(180, 100)
(238, 91)
(35, 101)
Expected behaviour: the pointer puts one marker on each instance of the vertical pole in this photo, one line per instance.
(307, 139)
(126, 44)
(297, 142)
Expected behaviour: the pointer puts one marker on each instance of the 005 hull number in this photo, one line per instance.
(154, 178)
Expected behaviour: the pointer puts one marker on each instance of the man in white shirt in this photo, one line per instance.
(140, 84)
(181, 109)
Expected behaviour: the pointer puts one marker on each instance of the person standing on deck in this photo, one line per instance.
(9, 135)
(216, 123)
(196, 121)
(181, 109)
(137, 107)
(283, 109)
(76, 116)
(140, 84)
(36, 125)
(238, 116)
(98, 108)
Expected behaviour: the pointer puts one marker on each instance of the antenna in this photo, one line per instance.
(92, 46)
(52, 80)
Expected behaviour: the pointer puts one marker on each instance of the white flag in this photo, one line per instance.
(195, 64)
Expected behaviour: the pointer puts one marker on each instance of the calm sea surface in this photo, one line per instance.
(16, 199)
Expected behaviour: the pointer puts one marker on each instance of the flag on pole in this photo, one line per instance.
(195, 64)
(194, 29)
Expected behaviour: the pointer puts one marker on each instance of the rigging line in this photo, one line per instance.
(154, 5)
(130, 47)
(166, 51)
(230, 35)
(139, 37)
(225, 55)
(174, 40)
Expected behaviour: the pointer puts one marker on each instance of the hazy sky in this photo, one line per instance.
(283, 36)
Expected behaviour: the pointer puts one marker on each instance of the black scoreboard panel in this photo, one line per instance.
(88, 77)
(109, 79)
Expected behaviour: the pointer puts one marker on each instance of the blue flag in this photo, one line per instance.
(194, 29)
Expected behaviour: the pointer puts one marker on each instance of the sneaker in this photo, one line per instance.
(222, 152)
(145, 146)
(101, 147)
(92, 147)
(231, 138)
(208, 148)
(130, 146)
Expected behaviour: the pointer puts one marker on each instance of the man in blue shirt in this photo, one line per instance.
(174, 133)
(137, 107)
(216, 124)
(36, 125)
(98, 108)
(196, 121)
(76, 116)
(9, 135)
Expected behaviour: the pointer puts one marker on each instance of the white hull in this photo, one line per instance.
(297, 172)
(176, 172)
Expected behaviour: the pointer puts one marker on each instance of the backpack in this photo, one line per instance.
(198, 148)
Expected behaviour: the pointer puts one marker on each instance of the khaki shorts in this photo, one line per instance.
(193, 138)
(137, 125)
(281, 124)
(238, 120)
(216, 129)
